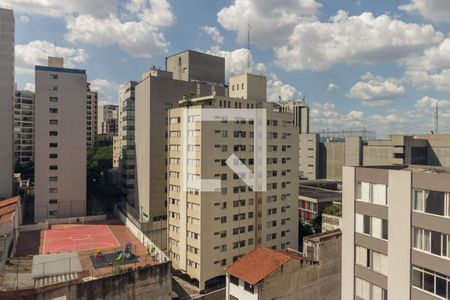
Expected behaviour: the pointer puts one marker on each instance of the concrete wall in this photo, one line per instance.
(196, 66)
(248, 86)
(332, 159)
(309, 156)
(348, 233)
(6, 101)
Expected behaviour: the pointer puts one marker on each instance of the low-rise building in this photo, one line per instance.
(10, 218)
(313, 200)
(265, 273)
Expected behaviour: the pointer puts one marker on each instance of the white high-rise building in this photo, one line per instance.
(6, 100)
(60, 141)
(24, 127)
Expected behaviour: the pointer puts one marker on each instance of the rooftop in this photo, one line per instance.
(413, 168)
(324, 235)
(260, 263)
(18, 272)
(7, 208)
(319, 194)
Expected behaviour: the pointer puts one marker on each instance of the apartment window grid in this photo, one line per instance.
(368, 291)
(371, 226)
(431, 242)
(371, 259)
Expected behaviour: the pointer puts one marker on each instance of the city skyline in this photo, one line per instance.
(388, 83)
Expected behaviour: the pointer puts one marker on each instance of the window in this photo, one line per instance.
(234, 280)
(53, 145)
(371, 193)
(362, 289)
(432, 282)
(431, 241)
(53, 190)
(379, 293)
(53, 99)
(432, 202)
(53, 167)
(376, 227)
(362, 256)
(53, 155)
(53, 178)
(53, 201)
(53, 122)
(249, 288)
(53, 133)
(52, 110)
(380, 263)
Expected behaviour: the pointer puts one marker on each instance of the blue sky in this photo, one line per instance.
(380, 65)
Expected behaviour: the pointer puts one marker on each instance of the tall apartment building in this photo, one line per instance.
(209, 230)
(108, 119)
(396, 233)
(125, 145)
(156, 93)
(60, 141)
(91, 117)
(6, 100)
(24, 127)
(308, 155)
(300, 112)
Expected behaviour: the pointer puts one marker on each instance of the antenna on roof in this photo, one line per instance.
(55, 54)
(248, 48)
(436, 119)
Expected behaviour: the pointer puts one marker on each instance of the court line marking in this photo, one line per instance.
(117, 241)
(45, 242)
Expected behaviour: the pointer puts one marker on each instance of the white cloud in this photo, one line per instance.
(332, 87)
(24, 19)
(214, 33)
(430, 103)
(29, 87)
(278, 90)
(376, 90)
(157, 13)
(58, 8)
(431, 70)
(353, 39)
(236, 61)
(136, 38)
(37, 52)
(107, 90)
(271, 21)
(434, 10)
(326, 116)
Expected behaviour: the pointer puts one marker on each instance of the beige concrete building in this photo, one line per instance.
(60, 141)
(91, 118)
(193, 66)
(108, 115)
(308, 164)
(6, 101)
(209, 230)
(248, 86)
(268, 274)
(156, 93)
(300, 113)
(396, 233)
(125, 144)
(24, 127)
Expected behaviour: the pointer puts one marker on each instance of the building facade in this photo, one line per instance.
(91, 118)
(209, 230)
(125, 145)
(60, 141)
(156, 93)
(396, 232)
(7, 43)
(108, 119)
(24, 127)
(300, 113)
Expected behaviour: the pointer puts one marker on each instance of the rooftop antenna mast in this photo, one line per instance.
(436, 119)
(248, 48)
(55, 54)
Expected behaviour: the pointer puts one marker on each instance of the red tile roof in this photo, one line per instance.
(7, 208)
(258, 264)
